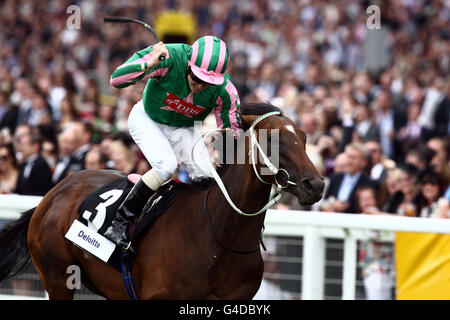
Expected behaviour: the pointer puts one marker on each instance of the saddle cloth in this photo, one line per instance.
(98, 210)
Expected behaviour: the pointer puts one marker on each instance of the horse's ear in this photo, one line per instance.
(249, 118)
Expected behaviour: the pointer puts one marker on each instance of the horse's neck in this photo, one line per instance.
(249, 195)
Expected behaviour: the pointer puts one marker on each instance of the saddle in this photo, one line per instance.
(98, 210)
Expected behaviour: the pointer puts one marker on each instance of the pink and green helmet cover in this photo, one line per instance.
(209, 59)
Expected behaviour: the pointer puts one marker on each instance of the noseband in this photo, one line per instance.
(253, 143)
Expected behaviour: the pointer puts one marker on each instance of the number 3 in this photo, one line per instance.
(98, 219)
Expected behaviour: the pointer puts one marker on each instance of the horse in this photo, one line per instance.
(199, 248)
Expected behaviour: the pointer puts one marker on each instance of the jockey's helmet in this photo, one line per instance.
(209, 59)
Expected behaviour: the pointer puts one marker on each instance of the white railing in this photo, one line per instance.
(11, 205)
(316, 226)
(313, 226)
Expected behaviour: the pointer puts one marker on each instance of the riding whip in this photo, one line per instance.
(126, 20)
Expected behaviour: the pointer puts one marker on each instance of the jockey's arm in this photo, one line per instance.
(136, 68)
(226, 111)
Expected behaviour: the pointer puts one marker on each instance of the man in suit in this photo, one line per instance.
(390, 119)
(361, 125)
(35, 176)
(377, 162)
(343, 186)
(83, 132)
(67, 141)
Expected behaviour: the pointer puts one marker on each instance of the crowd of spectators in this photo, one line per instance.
(374, 104)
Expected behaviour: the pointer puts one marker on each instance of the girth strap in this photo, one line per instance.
(128, 279)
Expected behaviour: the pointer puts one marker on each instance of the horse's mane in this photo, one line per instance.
(256, 109)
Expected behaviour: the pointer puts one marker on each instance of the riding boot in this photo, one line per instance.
(133, 205)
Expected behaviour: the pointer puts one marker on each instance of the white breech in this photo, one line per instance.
(165, 146)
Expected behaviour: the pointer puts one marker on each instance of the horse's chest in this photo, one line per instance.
(232, 276)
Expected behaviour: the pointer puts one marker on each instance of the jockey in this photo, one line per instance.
(183, 88)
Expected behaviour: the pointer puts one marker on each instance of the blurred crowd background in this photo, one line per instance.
(375, 103)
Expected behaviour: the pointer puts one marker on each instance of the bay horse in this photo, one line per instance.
(200, 248)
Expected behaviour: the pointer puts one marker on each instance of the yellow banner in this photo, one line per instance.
(423, 266)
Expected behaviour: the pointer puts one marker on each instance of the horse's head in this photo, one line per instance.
(296, 173)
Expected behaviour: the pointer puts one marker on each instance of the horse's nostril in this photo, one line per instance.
(313, 185)
(307, 184)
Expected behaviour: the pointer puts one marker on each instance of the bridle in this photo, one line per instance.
(253, 143)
